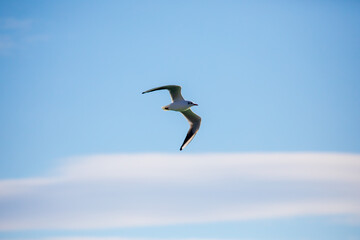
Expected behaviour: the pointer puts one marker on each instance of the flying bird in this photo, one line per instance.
(179, 104)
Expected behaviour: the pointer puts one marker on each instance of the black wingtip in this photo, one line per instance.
(181, 149)
(142, 92)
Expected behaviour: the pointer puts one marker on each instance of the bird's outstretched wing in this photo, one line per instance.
(194, 121)
(175, 91)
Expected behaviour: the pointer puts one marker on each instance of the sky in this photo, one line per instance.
(86, 156)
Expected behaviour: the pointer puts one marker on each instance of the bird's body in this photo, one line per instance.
(179, 104)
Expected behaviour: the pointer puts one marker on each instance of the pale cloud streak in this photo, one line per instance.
(17, 33)
(16, 24)
(6, 43)
(106, 191)
(122, 238)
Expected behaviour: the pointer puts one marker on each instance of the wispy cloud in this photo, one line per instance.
(108, 191)
(19, 33)
(15, 24)
(124, 238)
(120, 238)
(35, 38)
(6, 42)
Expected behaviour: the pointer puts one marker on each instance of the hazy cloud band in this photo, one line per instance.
(106, 191)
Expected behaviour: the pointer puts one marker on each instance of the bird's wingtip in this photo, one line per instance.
(142, 92)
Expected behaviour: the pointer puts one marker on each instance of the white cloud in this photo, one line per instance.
(108, 191)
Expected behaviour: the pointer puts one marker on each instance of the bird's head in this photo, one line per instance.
(190, 103)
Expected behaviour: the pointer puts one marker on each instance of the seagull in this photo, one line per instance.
(179, 104)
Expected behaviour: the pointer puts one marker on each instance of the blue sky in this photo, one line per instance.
(270, 77)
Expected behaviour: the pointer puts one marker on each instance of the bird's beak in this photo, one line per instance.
(195, 104)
